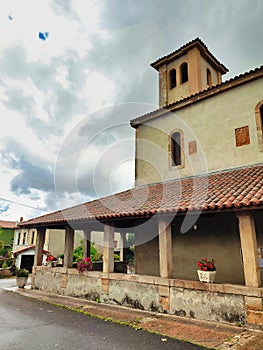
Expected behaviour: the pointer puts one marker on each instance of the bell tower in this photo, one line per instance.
(187, 71)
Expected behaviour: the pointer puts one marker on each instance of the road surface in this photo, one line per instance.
(34, 325)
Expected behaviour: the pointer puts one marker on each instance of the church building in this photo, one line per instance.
(198, 193)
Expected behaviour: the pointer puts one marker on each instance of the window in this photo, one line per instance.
(208, 78)
(184, 72)
(259, 124)
(261, 116)
(33, 237)
(24, 238)
(176, 148)
(18, 238)
(172, 76)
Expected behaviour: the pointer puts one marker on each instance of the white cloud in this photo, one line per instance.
(97, 54)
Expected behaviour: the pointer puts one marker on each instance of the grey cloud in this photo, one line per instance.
(33, 173)
(13, 63)
(61, 103)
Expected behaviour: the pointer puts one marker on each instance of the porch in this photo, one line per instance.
(165, 277)
(175, 224)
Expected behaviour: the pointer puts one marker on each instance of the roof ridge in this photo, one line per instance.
(196, 41)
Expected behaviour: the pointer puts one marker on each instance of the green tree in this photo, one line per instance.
(79, 252)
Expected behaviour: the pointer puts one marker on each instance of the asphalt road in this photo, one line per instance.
(34, 325)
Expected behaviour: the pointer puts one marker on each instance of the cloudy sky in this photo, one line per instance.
(74, 72)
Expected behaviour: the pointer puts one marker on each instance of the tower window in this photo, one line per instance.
(172, 76)
(176, 148)
(208, 78)
(184, 72)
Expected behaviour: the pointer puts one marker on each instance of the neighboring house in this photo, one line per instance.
(201, 157)
(7, 229)
(25, 241)
(25, 257)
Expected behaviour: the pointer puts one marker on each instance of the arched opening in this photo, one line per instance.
(172, 76)
(184, 73)
(261, 116)
(259, 123)
(176, 148)
(208, 78)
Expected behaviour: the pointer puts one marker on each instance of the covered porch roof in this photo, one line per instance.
(235, 189)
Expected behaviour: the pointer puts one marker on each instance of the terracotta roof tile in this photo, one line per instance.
(242, 78)
(214, 191)
(29, 247)
(181, 50)
(8, 224)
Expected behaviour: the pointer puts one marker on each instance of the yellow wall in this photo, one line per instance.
(211, 123)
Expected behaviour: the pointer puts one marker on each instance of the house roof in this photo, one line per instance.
(236, 81)
(197, 42)
(8, 224)
(233, 189)
(24, 249)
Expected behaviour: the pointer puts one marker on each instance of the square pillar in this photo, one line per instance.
(87, 237)
(122, 245)
(108, 249)
(41, 232)
(165, 247)
(69, 247)
(248, 241)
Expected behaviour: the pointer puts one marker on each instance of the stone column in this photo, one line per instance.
(248, 241)
(122, 245)
(39, 246)
(108, 249)
(165, 247)
(87, 238)
(69, 247)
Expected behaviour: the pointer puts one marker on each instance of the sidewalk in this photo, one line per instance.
(209, 334)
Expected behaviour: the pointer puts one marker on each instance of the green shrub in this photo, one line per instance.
(22, 273)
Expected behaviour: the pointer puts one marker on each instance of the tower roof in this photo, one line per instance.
(197, 42)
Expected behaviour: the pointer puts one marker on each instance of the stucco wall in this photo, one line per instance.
(212, 123)
(216, 236)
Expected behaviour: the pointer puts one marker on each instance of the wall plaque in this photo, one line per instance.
(242, 136)
(192, 147)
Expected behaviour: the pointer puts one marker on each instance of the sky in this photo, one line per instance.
(73, 73)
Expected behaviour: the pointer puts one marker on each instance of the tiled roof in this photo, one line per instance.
(199, 96)
(197, 42)
(233, 189)
(29, 247)
(8, 224)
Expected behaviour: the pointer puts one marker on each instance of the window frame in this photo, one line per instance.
(172, 79)
(259, 124)
(184, 78)
(171, 151)
(208, 78)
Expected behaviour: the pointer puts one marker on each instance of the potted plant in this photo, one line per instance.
(207, 270)
(21, 277)
(51, 260)
(84, 265)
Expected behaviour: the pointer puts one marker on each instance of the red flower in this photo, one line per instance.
(207, 264)
(85, 265)
(51, 258)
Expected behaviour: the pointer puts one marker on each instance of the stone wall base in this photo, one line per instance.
(226, 303)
